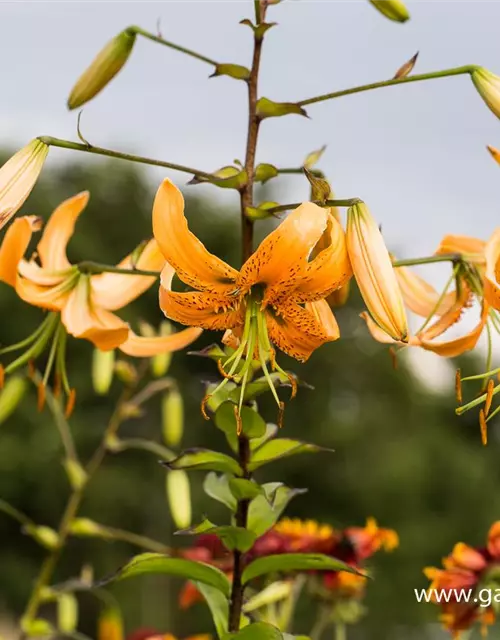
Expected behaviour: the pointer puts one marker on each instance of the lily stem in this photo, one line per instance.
(444, 257)
(171, 45)
(347, 202)
(109, 153)
(237, 592)
(389, 83)
(88, 266)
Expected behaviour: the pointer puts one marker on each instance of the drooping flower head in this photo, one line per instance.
(78, 303)
(277, 299)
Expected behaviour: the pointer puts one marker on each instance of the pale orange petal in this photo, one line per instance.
(330, 269)
(58, 231)
(114, 291)
(14, 245)
(281, 260)
(52, 298)
(419, 296)
(103, 328)
(198, 309)
(36, 274)
(492, 274)
(450, 317)
(194, 265)
(325, 317)
(473, 248)
(297, 331)
(379, 334)
(142, 347)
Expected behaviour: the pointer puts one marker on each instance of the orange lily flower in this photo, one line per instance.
(83, 304)
(278, 296)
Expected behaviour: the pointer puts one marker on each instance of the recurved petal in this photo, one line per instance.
(381, 336)
(298, 331)
(280, 262)
(194, 265)
(32, 271)
(52, 298)
(492, 274)
(114, 291)
(58, 231)
(466, 557)
(198, 309)
(14, 246)
(103, 328)
(330, 269)
(473, 248)
(143, 347)
(419, 296)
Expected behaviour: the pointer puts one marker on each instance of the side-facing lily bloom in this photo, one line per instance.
(278, 296)
(80, 304)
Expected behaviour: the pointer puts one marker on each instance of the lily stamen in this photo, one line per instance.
(489, 397)
(458, 386)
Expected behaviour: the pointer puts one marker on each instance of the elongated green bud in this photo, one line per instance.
(77, 475)
(179, 498)
(161, 362)
(392, 9)
(172, 417)
(67, 613)
(11, 395)
(45, 536)
(18, 177)
(488, 87)
(103, 366)
(103, 69)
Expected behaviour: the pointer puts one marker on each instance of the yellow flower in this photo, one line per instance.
(83, 303)
(374, 273)
(488, 87)
(392, 9)
(18, 177)
(278, 296)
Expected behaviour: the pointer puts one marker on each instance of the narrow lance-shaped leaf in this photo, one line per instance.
(205, 460)
(281, 448)
(265, 510)
(268, 109)
(236, 71)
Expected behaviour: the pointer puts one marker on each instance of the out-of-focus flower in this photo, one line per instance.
(278, 296)
(374, 273)
(471, 569)
(392, 9)
(79, 304)
(18, 177)
(151, 634)
(488, 87)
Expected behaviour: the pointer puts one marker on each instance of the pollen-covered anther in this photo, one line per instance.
(484, 427)
(31, 369)
(458, 386)
(281, 414)
(70, 404)
(223, 373)
(40, 396)
(239, 421)
(489, 397)
(203, 406)
(2, 376)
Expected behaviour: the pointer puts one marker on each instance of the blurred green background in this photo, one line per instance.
(401, 454)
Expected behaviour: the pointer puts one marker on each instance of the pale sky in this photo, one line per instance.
(416, 153)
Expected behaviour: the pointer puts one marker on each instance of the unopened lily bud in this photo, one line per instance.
(77, 475)
(161, 362)
(103, 366)
(87, 528)
(67, 613)
(179, 498)
(488, 87)
(374, 273)
(11, 395)
(126, 372)
(45, 536)
(173, 417)
(18, 177)
(392, 9)
(103, 69)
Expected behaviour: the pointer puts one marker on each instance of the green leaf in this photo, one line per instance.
(236, 71)
(264, 511)
(275, 592)
(257, 631)
(218, 488)
(37, 627)
(253, 424)
(218, 605)
(222, 395)
(259, 30)
(271, 432)
(228, 177)
(268, 109)
(313, 157)
(243, 489)
(281, 448)
(261, 212)
(287, 562)
(264, 172)
(151, 563)
(205, 460)
(232, 537)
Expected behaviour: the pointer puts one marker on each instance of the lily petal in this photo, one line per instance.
(419, 296)
(492, 275)
(381, 336)
(14, 246)
(298, 331)
(52, 298)
(103, 328)
(114, 291)
(30, 270)
(330, 269)
(473, 248)
(280, 262)
(198, 309)
(194, 265)
(58, 231)
(142, 347)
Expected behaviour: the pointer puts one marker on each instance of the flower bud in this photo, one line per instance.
(67, 613)
(161, 362)
(45, 536)
(374, 273)
(392, 9)
(103, 69)
(488, 86)
(11, 395)
(103, 367)
(179, 498)
(18, 177)
(172, 417)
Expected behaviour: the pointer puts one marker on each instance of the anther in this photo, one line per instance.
(489, 397)
(458, 386)
(293, 381)
(239, 421)
(484, 427)
(223, 373)
(41, 396)
(281, 414)
(70, 405)
(31, 369)
(203, 406)
(2, 376)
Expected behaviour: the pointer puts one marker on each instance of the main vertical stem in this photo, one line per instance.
(236, 603)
